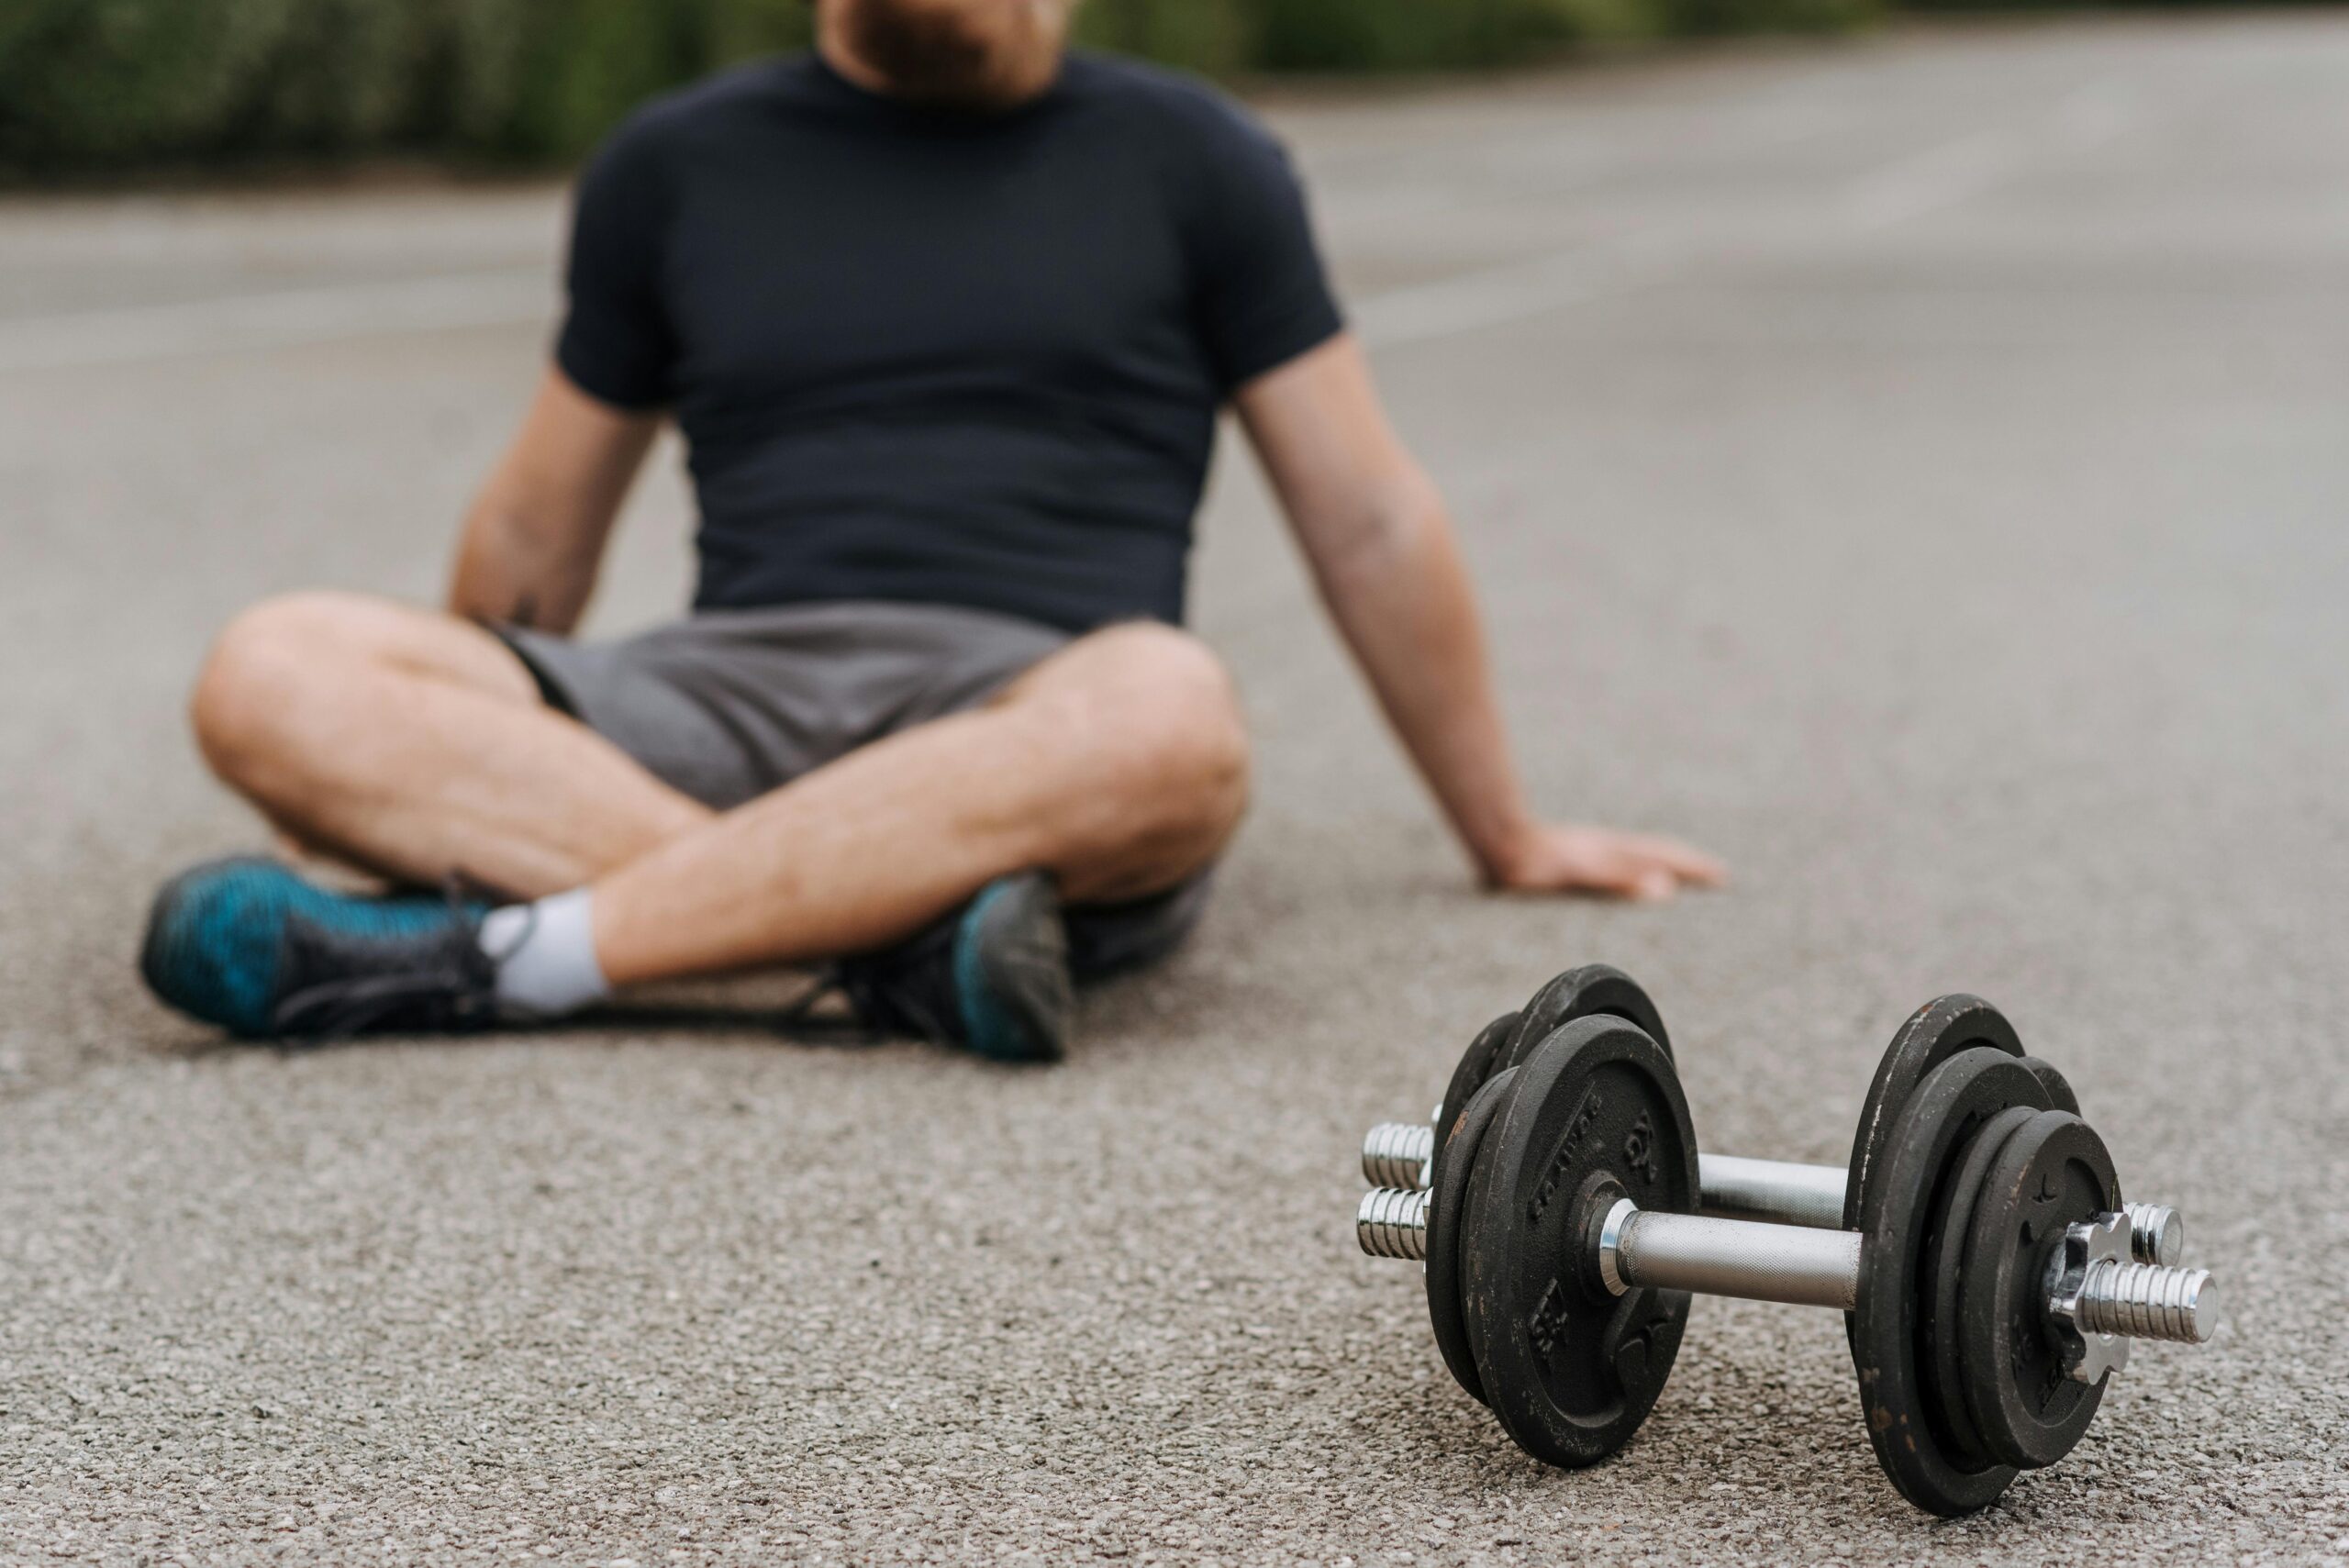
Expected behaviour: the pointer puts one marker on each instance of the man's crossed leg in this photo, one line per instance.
(1107, 771)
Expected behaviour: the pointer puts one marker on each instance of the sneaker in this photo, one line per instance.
(254, 948)
(992, 978)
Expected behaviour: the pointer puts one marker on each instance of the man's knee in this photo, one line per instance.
(1167, 709)
(263, 674)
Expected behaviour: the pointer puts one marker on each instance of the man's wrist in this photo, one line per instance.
(1503, 848)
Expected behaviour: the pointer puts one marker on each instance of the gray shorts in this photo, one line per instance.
(727, 705)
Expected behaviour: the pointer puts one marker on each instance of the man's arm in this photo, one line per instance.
(1382, 553)
(534, 539)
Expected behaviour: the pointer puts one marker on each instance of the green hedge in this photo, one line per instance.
(100, 83)
(93, 84)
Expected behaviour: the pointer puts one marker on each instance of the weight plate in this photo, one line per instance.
(2052, 1173)
(1597, 1114)
(1444, 1233)
(1942, 1273)
(1478, 1062)
(2059, 1089)
(1904, 1202)
(1934, 1033)
(1591, 991)
(1595, 988)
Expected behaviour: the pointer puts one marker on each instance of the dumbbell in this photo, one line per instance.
(1989, 1278)
(1402, 1154)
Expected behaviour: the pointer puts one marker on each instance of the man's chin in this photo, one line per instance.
(941, 58)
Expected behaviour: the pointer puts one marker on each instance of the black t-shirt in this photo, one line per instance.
(937, 357)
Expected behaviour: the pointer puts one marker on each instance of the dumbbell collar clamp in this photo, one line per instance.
(2087, 1247)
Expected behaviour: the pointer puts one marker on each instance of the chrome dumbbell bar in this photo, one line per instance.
(2097, 1294)
(1781, 1192)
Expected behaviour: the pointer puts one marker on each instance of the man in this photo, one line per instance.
(946, 319)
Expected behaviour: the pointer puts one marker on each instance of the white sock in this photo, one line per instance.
(546, 955)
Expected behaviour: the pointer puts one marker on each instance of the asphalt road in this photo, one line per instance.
(1916, 468)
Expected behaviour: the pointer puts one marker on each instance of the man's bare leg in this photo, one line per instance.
(1113, 769)
(1118, 765)
(414, 744)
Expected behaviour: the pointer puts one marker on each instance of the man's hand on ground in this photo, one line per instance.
(1570, 858)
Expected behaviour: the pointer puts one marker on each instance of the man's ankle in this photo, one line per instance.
(545, 954)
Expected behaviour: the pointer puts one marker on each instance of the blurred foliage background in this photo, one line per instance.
(92, 86)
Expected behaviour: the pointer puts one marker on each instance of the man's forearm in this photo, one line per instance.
(535, 536)
(1401, 597)
(1382, 549)
(504, 572)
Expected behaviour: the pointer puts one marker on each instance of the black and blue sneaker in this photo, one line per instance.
(993, 977)
(251, 946)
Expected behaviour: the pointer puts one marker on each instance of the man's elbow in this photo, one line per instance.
(1392, 526)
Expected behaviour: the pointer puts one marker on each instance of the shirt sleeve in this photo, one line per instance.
(616, 343)
(1264, 297)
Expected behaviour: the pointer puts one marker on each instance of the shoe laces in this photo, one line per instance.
(450, 984)
(908, 989)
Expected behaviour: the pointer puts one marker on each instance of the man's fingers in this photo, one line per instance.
(1649, 870)
(1627, 876)
(1654, 885)
(1685, 862)
(1642, 867)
